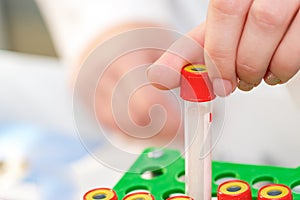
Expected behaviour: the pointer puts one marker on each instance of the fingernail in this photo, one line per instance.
(242, 85)
(257, 83)
(153, 77)
(222, 87)
(271, 79)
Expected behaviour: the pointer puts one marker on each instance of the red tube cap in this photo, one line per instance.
(139, 195)
(275, 191)
(182, 197)
(101, 193)
(195, 84)
(234, 190)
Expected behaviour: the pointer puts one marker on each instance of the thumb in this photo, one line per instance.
(165, 72)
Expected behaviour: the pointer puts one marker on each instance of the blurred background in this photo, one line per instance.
(23, 29)
(39, 148)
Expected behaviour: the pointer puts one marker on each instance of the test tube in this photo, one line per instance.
(139, 196)
(183, 197)
(234, 190)
(196, 91)
(275, 191)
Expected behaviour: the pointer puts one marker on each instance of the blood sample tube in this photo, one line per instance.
(275, 191)
(234, 190)
(181, 197)
(139, 196)
(101, 193)
(197, 93)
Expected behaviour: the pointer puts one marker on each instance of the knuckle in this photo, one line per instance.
(228, 7)
(266, 17)
(223, 62)
(218, 54)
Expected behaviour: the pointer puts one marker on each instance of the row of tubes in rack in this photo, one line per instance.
(229, 190)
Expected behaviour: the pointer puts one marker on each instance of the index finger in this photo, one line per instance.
(165, 72)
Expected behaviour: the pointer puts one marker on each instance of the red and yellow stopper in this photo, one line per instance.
(195, 84)
(139, 196)
(275, 191)
(101, 193)
(181, 197)
(234, 190)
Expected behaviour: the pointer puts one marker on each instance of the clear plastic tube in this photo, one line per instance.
(197, 119)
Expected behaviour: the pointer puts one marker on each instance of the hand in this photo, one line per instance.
(125, 101)
(119, 93)
(244, 42)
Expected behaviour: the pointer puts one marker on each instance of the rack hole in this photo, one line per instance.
(176, 194)
(152, 173)
(222, 178)
(173, 193)
(181, 177)
(296, 187)
(136, 189)
(262, 181)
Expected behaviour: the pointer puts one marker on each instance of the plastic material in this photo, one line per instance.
(196, 89)
(139, 196)
(197, 134)
(180, 198)
(101, 193)
(275, 191)
(234, 190)
(195, 84)
(170, 179)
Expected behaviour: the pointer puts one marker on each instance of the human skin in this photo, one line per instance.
(244, 42)
(113, 91)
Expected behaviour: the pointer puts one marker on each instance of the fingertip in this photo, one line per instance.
(165, 73)
(271, 79)
(244, 86)
(163, 77)
(222, 87)
(222, 84)
(154, 77)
